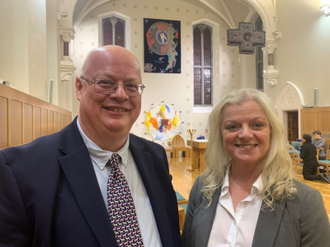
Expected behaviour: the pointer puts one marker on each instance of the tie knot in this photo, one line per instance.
(115, 160)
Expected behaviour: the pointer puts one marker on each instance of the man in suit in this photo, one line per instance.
(54, 191)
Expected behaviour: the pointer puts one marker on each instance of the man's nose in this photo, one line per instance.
(120, 92)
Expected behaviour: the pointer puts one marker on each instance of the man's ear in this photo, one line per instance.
(79, 88)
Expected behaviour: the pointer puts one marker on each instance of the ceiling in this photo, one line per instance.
(231, 11)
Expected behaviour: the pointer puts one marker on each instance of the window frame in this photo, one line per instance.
(123, 18)
(259, 59)
(215, 63)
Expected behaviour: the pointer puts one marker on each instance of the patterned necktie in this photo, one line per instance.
(121, 207)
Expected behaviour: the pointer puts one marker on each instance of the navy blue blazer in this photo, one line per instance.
(49, 194)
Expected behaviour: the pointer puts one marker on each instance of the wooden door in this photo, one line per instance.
(293, 131)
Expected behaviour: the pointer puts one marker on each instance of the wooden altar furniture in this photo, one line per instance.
(179, 146)
(198, 151)
(171, 151)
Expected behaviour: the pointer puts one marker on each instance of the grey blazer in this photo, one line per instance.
(301, 221)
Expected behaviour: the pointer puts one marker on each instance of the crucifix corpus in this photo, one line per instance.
(245, 37)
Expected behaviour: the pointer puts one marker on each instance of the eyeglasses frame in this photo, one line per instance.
(140, 85)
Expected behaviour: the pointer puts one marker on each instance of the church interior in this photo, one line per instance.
(44, 43)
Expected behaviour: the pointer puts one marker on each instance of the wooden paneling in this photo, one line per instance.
(27, 121)
(44, 124)
(56, 128)
(317, 118)
(326, 121)
(327, 140)
(308, 121)
(61, 123)
(3, 122)
(36, 122)
(15, 122)
(50, 122)
(24, 118)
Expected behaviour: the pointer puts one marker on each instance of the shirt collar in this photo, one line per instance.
(100, 156)
(225, 183)
(257, 186)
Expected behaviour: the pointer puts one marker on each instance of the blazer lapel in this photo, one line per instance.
(80, 175)
(208, 215)
(146, 168)
(266, 230)
(268, 225)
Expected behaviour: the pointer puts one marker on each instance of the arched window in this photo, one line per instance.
(107, 32)
(203, 70)
(115, 29)
(259, 60)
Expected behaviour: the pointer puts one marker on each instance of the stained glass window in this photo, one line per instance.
(202, 65)
(113, 31)
(259, 60)
(107, 32)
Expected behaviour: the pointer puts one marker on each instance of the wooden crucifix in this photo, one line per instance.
(245, 37)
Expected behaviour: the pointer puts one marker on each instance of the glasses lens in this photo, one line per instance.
(105, 87)
(132, 89)
(109, 87)
(141, 88)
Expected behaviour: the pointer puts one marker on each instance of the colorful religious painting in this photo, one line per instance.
(162, 46)
(162, 122)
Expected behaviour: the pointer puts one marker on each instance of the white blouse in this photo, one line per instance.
(236, 229)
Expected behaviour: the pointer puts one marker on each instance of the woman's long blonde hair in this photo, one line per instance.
(277, 169)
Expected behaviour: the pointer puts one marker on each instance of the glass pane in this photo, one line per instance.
(107, 32)
(259, 54)
(197, 46)
(120, 34)
(259, 59)
(207, 47)
(207, 86)
(197, 86)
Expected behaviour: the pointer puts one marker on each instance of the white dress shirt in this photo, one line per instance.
(236, 228)
(144, 213)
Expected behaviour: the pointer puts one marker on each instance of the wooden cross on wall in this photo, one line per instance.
(245, 37)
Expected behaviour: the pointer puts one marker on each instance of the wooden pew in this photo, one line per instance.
(24, 118)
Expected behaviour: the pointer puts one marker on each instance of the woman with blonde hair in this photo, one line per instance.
(247, 196)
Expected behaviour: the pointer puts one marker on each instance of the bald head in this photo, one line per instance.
(100, 56)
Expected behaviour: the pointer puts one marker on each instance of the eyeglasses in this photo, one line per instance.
(108, 87)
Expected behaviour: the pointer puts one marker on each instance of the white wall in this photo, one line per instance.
(303, 53)
(174, 89)
(37, 51)
(54, 51)
(23, 50)
(14, 44)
